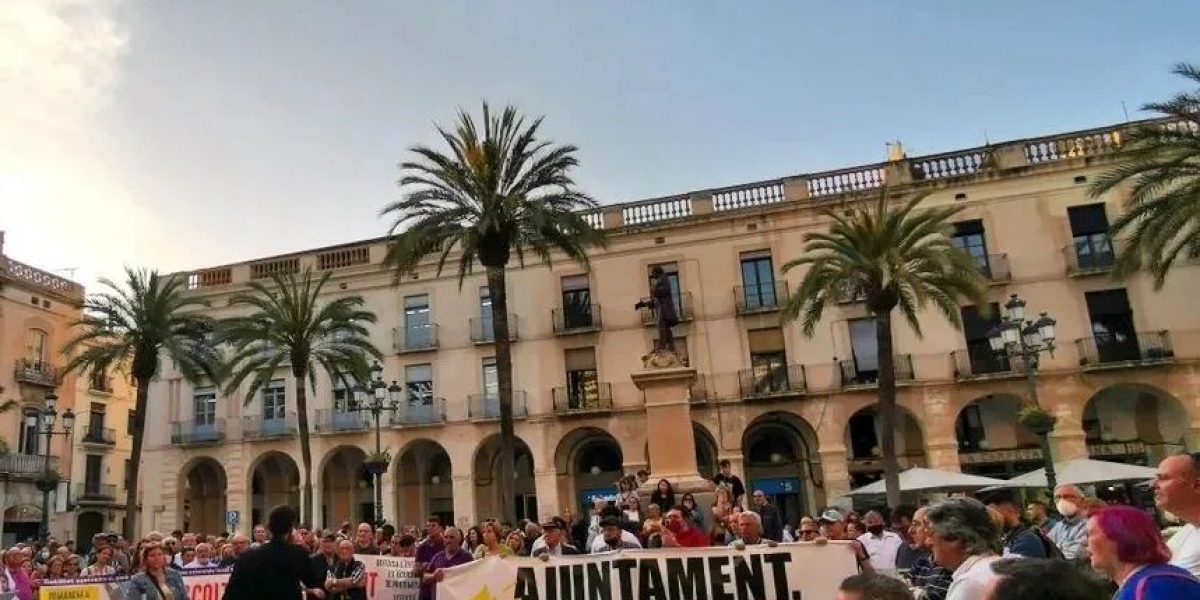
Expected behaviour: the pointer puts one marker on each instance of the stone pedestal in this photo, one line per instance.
(671, 441)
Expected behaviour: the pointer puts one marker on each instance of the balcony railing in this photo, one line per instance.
(259, 427)
(188, 433)
(333, 421)
(762, 297)
(576, 319)
(573, 400)
(415, 339)
(483, 331)
(36, 372)
(425, 411)
(13, 463)
(683, 310)
(758, 382)
(853, 375)
(850, 293)
(996, 268)
(95, 492)
(101, 383)
(1091, 255)
(1125, 349)
(101, 436)
(487, 406)
(983, 365)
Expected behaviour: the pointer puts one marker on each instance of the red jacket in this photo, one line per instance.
(692, 538)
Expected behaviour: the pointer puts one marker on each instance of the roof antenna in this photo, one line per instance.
(986, 141)
(1125, 110)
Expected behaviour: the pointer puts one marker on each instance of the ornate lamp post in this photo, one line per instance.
(378, 399)
(1018, 337)
(45, 424)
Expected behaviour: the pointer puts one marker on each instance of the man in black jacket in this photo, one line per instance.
(277, 570)
(772, 523)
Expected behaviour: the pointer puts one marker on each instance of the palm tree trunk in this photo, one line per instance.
(887, 406)
(132, 476)
(499, 294)
(306, 499)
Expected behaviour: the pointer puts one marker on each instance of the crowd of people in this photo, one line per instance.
(962, 548)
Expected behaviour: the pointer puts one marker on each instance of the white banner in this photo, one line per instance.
(783, 572)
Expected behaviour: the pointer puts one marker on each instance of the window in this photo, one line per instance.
(671, 271)
(1089, 231)
(96, 422)
(758, 280)
(583, 387)
(485, 314)
(981, 359)
(418, 383)
(98, 381)
(768, 361)
(491, 379)
(91, 474)
(864, 440)
(343, 394)
(416, 322)
(968, 235)
(204, 401)
(969, 429)
(37, 347)
(577, 302)
(865, 347)
(1112, 325)
(29, 431)
(274, 401)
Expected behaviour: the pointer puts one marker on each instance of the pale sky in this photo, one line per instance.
(179, 134)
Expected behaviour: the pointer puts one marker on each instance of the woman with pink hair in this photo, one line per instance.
(1125, 543)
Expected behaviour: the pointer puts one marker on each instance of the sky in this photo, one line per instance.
(180, 134)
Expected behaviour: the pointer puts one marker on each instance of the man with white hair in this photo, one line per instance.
(750, 528)
(1070, 534)
(1177, 491)
(204, 557)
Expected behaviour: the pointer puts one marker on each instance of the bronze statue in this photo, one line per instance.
(662, 302)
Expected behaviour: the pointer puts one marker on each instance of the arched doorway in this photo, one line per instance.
(21, 523)
(347, 489)
(87, 525)
(589, 464)
(779, 450)
(274, 481)
(706, 451)
(864, 435)
(1135, 424)
(991, 442)
(425, 484)
(203, 499)
(487, 475)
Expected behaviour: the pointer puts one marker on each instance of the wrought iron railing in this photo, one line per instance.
(487, 406)
(772, 380)
(577, 318)
(585, 398)
(1125, 347)
(761, 297)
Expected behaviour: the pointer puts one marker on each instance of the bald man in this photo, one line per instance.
(1177, 491)
(1070, 534)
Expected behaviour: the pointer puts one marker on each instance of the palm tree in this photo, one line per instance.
(490, 195)
(133, 327)
(894, 257)
(291, 328)
(1161, 222)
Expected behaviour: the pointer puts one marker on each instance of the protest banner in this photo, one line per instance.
(389, 578)
(783, 572)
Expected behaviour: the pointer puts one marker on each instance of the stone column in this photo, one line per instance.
(670, 438)
(464, 499)
(835, 471)
(387, 481)
(317, 501)
(943, 455)
(545, 482)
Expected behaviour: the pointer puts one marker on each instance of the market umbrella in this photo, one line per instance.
(918, 479)
(1083, 471)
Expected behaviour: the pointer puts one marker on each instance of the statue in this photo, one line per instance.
(662, 302)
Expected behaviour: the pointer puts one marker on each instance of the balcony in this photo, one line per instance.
(99, 436)
(485, 407)
(683, 310)
(407, 340)
(583, 318)
(1125, 349)
(36, 372)
(983, 365)
(26, 465)
(582, 400)
(482, 333)
(423, 411)
(1091, 255)
(995, 268)
(768, 381)
(854, 376)
(100, 384)
(340, 421)
(95, 492)
(260, 428)
(196, 433)
(849, 293)
(760, 298)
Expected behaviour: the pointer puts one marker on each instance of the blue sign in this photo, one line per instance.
(233, 517)
(778, 485)
(589, 497)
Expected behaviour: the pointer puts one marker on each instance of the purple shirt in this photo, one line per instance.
(442, 561)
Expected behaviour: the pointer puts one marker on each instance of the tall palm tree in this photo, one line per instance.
(489, 195)
(292, 328)
(1161, 222)
(132, 327)
(894, 256)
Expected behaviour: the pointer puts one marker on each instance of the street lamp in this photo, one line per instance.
(44, 424)
(383, 398)
(1026, 339)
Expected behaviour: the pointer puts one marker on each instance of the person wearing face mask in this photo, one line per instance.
(881, 545)
(680, 533)
(1070, 534)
